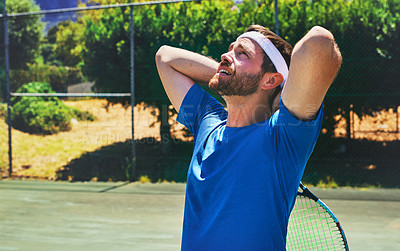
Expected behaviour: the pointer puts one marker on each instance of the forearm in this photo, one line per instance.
(195, 66)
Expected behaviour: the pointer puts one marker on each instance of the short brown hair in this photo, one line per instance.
(284, 47)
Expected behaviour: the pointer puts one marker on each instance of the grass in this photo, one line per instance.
(144, 179)
(42, 156)
(327, 183)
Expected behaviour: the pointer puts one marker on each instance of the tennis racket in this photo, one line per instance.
(313, 226)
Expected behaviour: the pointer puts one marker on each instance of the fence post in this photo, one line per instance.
(348, 110)
(132, 68)
(352, 133)
(7, 68)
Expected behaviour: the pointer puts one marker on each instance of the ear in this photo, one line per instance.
(271, 80)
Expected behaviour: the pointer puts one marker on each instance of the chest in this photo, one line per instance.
(228, 154)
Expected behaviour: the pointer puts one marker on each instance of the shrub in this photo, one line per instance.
(43, 115)
(59, 77)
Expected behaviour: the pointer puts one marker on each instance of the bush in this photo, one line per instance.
(59, 77)
(43, 115)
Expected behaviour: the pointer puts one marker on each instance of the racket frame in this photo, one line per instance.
(305, 192)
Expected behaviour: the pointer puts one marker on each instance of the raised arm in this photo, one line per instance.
(315, 63)
(179, 69)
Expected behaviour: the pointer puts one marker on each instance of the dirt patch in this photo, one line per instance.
(114, 123)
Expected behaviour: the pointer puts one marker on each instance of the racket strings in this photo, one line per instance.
(311, 227)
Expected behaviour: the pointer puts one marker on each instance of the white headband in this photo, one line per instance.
(271, 51)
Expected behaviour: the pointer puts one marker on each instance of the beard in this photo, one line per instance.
(236, 85)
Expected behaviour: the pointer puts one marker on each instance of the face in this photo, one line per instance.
(239, 72)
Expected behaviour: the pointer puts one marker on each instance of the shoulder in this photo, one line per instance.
(284, 120)
(199, 111)
(198, 101)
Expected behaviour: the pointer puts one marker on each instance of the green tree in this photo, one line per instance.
(68, 43)
(25, 33)
(366, 31)
(24, 37)
(48, 45)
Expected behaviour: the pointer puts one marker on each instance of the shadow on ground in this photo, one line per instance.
(355, 163)
(341, 162)
(113, 162)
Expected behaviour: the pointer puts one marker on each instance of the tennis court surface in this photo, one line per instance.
(40, 215)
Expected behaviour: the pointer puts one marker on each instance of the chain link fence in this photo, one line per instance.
(359, 140)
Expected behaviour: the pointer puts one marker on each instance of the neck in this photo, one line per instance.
(244, 111)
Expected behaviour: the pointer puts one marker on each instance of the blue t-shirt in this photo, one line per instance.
(242, 182)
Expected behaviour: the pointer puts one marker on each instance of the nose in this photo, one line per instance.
(227, 57)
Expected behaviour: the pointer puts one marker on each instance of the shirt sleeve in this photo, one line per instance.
(294, 140)
(200, 109)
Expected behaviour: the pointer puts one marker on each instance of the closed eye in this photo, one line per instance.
(242, 52)
(239, 49)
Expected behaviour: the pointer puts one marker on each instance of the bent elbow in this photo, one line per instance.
(160, 54)
(321, 33)
(319, 38)
(322, 42)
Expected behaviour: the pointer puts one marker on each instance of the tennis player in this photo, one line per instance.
(248, 161)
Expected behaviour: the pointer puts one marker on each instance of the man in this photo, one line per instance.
(247, 162)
